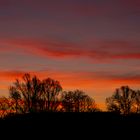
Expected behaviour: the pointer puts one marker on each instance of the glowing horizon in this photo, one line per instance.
(85, 44)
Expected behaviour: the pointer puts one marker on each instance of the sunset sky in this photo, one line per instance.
(92, 45)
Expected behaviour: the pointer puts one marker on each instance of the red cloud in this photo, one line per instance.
(100, 50)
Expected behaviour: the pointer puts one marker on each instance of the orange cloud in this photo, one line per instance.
(75, 79)
(9, 76)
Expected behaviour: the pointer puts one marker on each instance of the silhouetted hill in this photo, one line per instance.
(82, 125)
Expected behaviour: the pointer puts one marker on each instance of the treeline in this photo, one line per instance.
(30, 94)
(34, 95)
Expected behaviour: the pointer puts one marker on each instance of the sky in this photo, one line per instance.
(91, 45)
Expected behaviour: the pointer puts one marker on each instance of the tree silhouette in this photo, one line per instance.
(5, 106)
(122, 101)
(29, 90)
(37, 95)
(51, 89)
(15, 95)
(68, 101)
(77, 101)
(137, 101)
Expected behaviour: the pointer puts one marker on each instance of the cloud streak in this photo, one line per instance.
(70, 76)
(89, 44)
(98, 50)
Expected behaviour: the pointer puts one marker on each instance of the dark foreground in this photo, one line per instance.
(71, 126)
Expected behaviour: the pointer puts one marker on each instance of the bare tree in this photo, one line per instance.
(29, 89)
(37, 95)
(5, 106)
(77, 101)
(15, 95)
(88, 105)
(68, 101)
(137, 102)
(122, 101)
(51, 90)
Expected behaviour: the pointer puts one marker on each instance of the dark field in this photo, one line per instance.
(71, 125)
